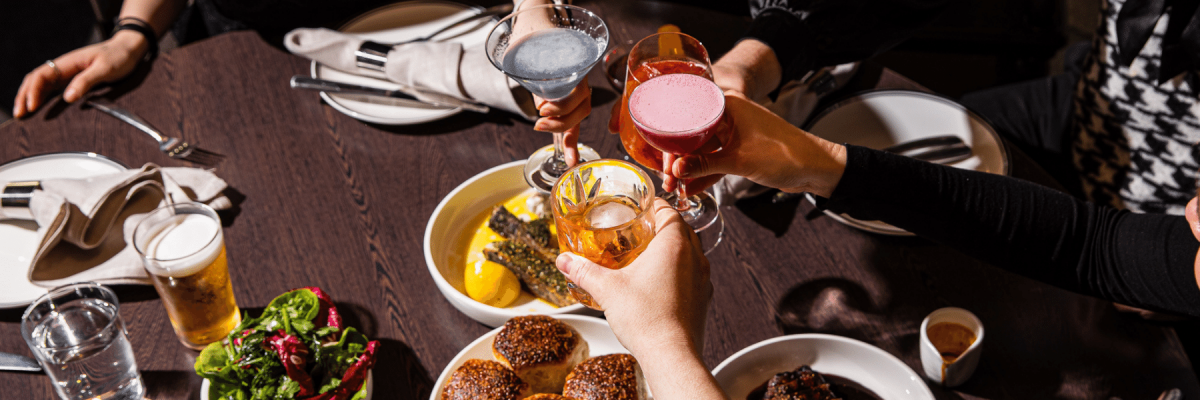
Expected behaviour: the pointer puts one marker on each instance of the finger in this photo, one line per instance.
(19, 101)
(571, 146)
(36, 85)
(669, 181)
(698, 185)
(557, 108)
(696, 166)
(562, 123)
(83, 82)
(589, 276)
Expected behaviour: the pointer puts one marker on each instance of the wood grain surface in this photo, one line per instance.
(329, 201)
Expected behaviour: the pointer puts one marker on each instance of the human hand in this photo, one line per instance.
(660, 300)
(769, 151)
(565, 115)
(83, 68)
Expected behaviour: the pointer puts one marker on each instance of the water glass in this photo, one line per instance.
(76, 333)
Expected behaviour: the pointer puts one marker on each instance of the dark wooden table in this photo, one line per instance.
(329, 201)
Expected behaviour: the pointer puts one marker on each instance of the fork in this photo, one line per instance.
(173, 147)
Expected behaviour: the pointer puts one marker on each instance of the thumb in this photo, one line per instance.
(589, 276)
(696, 166)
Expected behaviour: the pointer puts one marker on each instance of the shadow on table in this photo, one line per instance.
(1041, 342)
(398, 372)
(774, 210)
(164, 384)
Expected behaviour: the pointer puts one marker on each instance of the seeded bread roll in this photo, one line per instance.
(547, 396)
(607, 377)
(484, 380)
(541, 350)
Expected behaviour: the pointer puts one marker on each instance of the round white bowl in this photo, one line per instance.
(860, 362)
(456, 215)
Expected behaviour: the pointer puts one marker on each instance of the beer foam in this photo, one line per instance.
(184, 245)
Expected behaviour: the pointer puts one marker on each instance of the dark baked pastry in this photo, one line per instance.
(541, 350)
(607, 377)
(547, 396)
(801, 384)
(484, 380)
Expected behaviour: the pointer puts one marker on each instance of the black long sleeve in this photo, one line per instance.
(1143, 260)
(809, 34)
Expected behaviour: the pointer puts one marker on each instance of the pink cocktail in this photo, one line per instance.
(680, 114)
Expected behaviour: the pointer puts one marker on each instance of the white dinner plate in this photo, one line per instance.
(884, 118)
(860, 362)
(370, 384)
(19, 239)
(396, 23)
(595, 331)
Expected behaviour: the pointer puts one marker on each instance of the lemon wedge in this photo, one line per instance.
(492, 284)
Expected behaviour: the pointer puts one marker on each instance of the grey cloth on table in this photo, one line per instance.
(442, 67)
(85, 226)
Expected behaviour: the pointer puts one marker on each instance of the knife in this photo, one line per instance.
(13, 362)
(406, 93)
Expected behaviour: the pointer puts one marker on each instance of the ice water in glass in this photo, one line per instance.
(77, 335)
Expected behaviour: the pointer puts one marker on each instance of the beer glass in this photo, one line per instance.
(183, 249)
(76, 333)
(603, 212)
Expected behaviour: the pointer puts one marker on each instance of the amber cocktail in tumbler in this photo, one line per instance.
(603, 212)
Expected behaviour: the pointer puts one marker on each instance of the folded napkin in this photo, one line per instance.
(795, 103)
(86, 225)
(441, 67)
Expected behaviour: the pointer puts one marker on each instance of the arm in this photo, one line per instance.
(102, 62)
(666, 337)
(1137, 259)
(801, 36)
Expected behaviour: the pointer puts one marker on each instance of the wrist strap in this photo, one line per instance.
(143, 28)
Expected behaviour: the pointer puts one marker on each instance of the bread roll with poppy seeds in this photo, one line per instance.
(484, 380)
(607, 377)
(541, 350)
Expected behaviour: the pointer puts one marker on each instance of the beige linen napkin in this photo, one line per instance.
(795, 103)
(86, 225)
(441, 67)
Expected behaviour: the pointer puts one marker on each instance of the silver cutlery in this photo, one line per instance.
(14, 362)
(406, 93)
(488, 12)
(172, 147)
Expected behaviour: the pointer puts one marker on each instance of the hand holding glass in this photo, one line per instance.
(603, 212)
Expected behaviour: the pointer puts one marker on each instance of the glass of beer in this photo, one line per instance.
(183, 249)
(603, 212)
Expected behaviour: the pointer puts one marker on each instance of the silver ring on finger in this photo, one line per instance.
(57, 73)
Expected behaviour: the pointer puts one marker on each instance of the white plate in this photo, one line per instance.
(595, 331)
(456, 214)
(370, 386)
(862, 363)
(395, 23)
(19, 239)
(888, 117)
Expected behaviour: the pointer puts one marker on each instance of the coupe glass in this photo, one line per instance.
(603, 212)
(665, 54)
(548, 49)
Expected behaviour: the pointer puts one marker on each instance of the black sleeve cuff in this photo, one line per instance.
(788, 37)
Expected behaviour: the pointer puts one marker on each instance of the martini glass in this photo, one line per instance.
(663, 55)
(548, 49)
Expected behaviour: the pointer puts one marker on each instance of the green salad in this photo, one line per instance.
(297, 349)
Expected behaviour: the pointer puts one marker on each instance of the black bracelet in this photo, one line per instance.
(151, 38)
